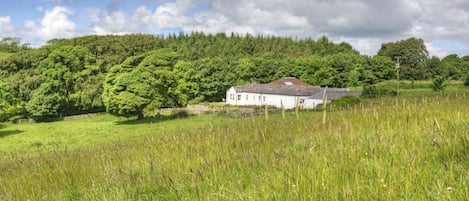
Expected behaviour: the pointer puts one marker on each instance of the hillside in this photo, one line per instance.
(4, 55)
(416, 149)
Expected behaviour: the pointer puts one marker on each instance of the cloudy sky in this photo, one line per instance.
(365, 24)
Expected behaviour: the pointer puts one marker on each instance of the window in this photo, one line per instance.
(239, 96)
(231, 96)
(259, 98)
(302, 101)
(263, 98)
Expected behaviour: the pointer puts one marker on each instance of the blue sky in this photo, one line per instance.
(365, 24)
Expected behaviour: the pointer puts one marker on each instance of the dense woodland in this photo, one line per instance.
(136, 74)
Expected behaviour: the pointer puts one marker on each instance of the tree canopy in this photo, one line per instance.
(12, 44)
(142, 82)
(412, 55)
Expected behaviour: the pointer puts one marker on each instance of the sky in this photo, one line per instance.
(365, 24)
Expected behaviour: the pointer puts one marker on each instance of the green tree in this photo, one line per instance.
(9, 106)
(47, 101)
(466, 81)
(309, 66)
(326, 76)
(12, 44)
(24, 60)
(89, 98)
(142, 83)
(215, 77)
(245, 70)
(68, 68)
(382, 68)
(23, 83)
(452, 67)
(187, 83)
(412, 54)
(435, 68)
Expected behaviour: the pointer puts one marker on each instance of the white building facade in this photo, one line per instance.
(246, 96)
(291, 92)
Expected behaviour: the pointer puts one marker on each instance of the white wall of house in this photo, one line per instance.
(289, 102)
(311, 103)
(231, 97)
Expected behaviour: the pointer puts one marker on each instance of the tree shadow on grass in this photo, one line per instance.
(160, 118)
(151, 120)
(4, 133)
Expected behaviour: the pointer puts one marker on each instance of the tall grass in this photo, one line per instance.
(373, 151)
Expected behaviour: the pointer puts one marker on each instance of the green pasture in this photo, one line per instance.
(410, 148)
(99, 130)
(4, 55)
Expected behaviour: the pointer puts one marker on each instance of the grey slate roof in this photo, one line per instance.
(278, 87)
(334, 93)
(290, 90)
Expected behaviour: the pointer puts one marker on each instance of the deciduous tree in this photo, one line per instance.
(142, 83)
(412, 54)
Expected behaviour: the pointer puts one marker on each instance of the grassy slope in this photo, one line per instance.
(416, 88)
(4, 55)
(417, 150)
(98, 130)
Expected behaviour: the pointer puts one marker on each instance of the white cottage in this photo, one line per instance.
(274, 94)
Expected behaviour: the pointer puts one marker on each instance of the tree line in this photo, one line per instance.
(137, 74)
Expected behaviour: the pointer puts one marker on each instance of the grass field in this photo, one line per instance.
(99, 130)
(4, 55)
(411, 149)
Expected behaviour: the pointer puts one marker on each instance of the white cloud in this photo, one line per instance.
(6, 28)
(115, 22)
(368, 46)
(54, 24)
(172, 15)
(435, 51)
(445, 20)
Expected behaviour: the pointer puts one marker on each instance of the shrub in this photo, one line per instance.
(234, 113)
(370, 91)
(375, 91)
(347, 100)
(466, 82)
(438, 84)
(196, 100)
(175, 114)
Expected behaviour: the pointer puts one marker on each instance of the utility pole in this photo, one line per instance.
(398, 65)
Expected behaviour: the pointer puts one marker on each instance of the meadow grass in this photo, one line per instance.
(99, 130)
(4, 55)
(413, 149)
